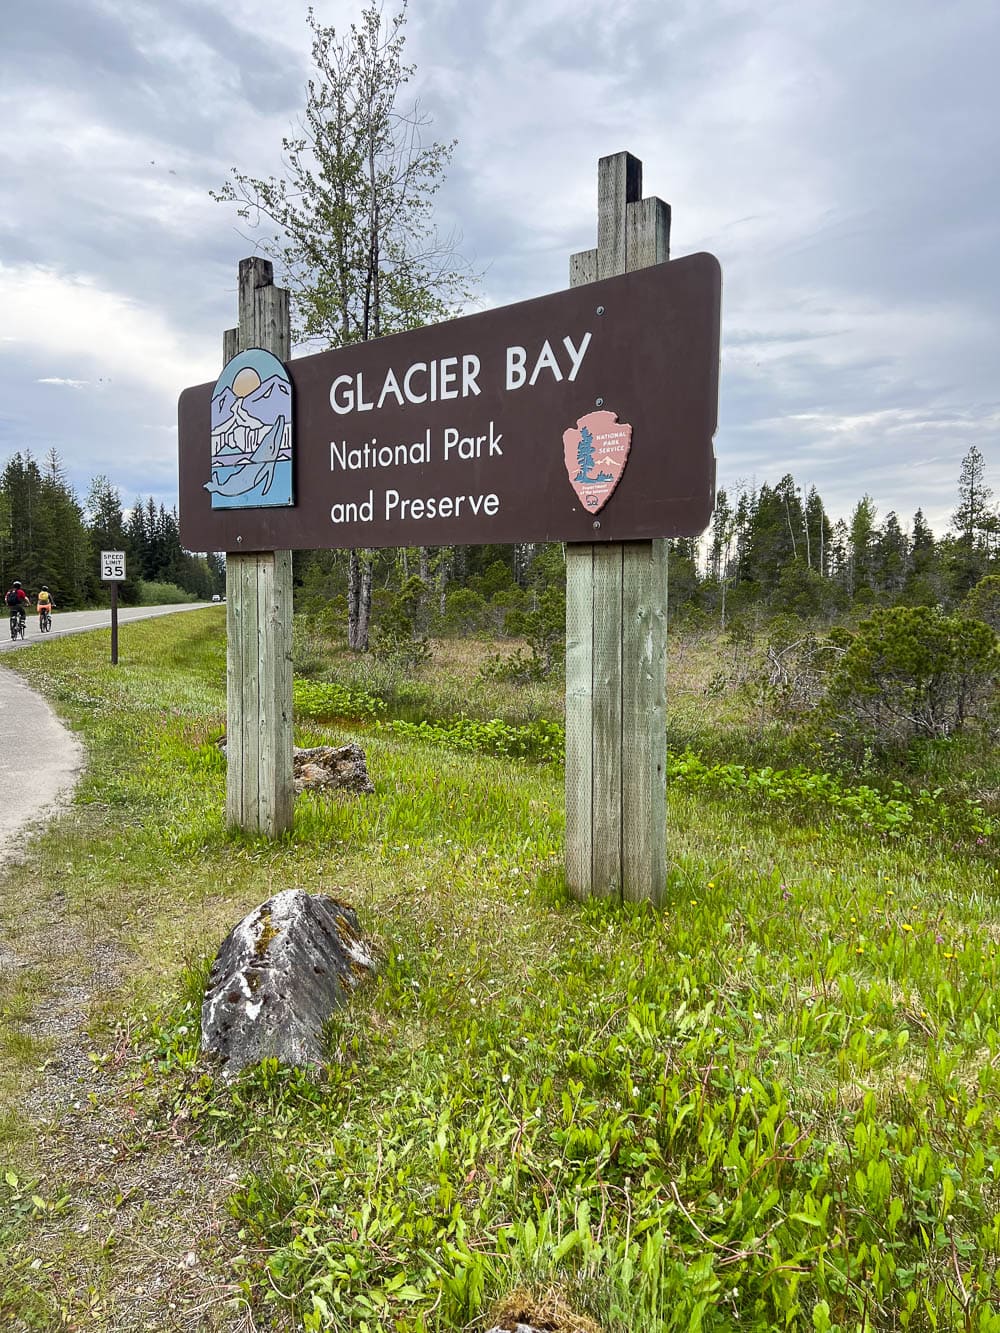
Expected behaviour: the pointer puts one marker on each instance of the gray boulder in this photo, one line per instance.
(277, 978)
(322, 767)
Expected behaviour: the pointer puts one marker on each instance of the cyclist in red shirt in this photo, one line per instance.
(17, 603)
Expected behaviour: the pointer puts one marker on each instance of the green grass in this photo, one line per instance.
(774, 1104)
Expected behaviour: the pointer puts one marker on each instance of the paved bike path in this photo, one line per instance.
(43, 759)
(75, 622)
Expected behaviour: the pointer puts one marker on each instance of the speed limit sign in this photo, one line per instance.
(112, 566)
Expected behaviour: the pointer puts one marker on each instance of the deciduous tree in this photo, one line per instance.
(350, 224)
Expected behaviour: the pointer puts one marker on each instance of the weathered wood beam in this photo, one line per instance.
(259, 790)
(616, 599)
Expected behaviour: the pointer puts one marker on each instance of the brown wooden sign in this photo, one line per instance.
(583, 416)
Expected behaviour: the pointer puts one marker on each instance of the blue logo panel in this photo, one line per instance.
(252, 417)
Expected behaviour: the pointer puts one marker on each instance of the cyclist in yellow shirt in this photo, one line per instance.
(45, 605)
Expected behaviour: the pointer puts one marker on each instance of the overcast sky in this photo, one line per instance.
(840, 158)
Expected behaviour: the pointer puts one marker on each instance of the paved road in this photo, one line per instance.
(39, 770)
(75, 622)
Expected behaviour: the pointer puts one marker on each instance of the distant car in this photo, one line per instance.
(216, 597)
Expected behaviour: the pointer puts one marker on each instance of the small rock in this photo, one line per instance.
(278, 976)
(326, 768)
(322, 767)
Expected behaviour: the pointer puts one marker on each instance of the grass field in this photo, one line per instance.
(774, 1104)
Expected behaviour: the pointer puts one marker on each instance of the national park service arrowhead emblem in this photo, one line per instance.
(595, 454)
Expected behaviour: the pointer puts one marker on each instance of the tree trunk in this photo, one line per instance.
(444, 575)
(359, 598)
(365, 601)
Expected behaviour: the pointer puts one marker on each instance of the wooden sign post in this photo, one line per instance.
(585, 416)
(259, 791)
(616, 616)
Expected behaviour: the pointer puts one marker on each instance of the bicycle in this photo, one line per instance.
(17, 619)
(44, 620)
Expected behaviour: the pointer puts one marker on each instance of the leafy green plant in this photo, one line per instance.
(801, 790)
(540, 740)
(328, 700)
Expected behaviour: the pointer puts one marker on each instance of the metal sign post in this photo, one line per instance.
(113, 572)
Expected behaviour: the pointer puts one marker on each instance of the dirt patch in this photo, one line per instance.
(134, 1233)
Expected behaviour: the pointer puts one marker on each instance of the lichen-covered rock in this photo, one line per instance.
(324, 766)
(278, 976)
(327, 768)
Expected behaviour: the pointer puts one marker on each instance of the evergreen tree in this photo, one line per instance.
(22, 485)
(840, 559)
(967, 557)
(682, 574)
(774, 534)
(585, 455)
(974, 516)
(890, 558)
(921, 544)
(818, 531)
(861, 547)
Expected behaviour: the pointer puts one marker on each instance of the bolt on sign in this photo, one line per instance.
(583, 416)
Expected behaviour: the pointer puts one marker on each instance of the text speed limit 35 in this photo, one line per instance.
(112, 566)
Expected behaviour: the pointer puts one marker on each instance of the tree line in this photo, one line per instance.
(769, 549)
(49, 536)
(777, 547)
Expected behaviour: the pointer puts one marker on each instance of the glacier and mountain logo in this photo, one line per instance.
(595, 454)
(251, 463)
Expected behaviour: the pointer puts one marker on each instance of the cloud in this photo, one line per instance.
(834, 157)
(72, 318)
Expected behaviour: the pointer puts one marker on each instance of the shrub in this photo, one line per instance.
(516, 668)
(913, 672)
(465, 611)
(400, 637)
(797, 666)
(162, 594)
(983, 602)
(544, 628)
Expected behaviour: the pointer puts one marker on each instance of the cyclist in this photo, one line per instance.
(45, 605)
(17, 600)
